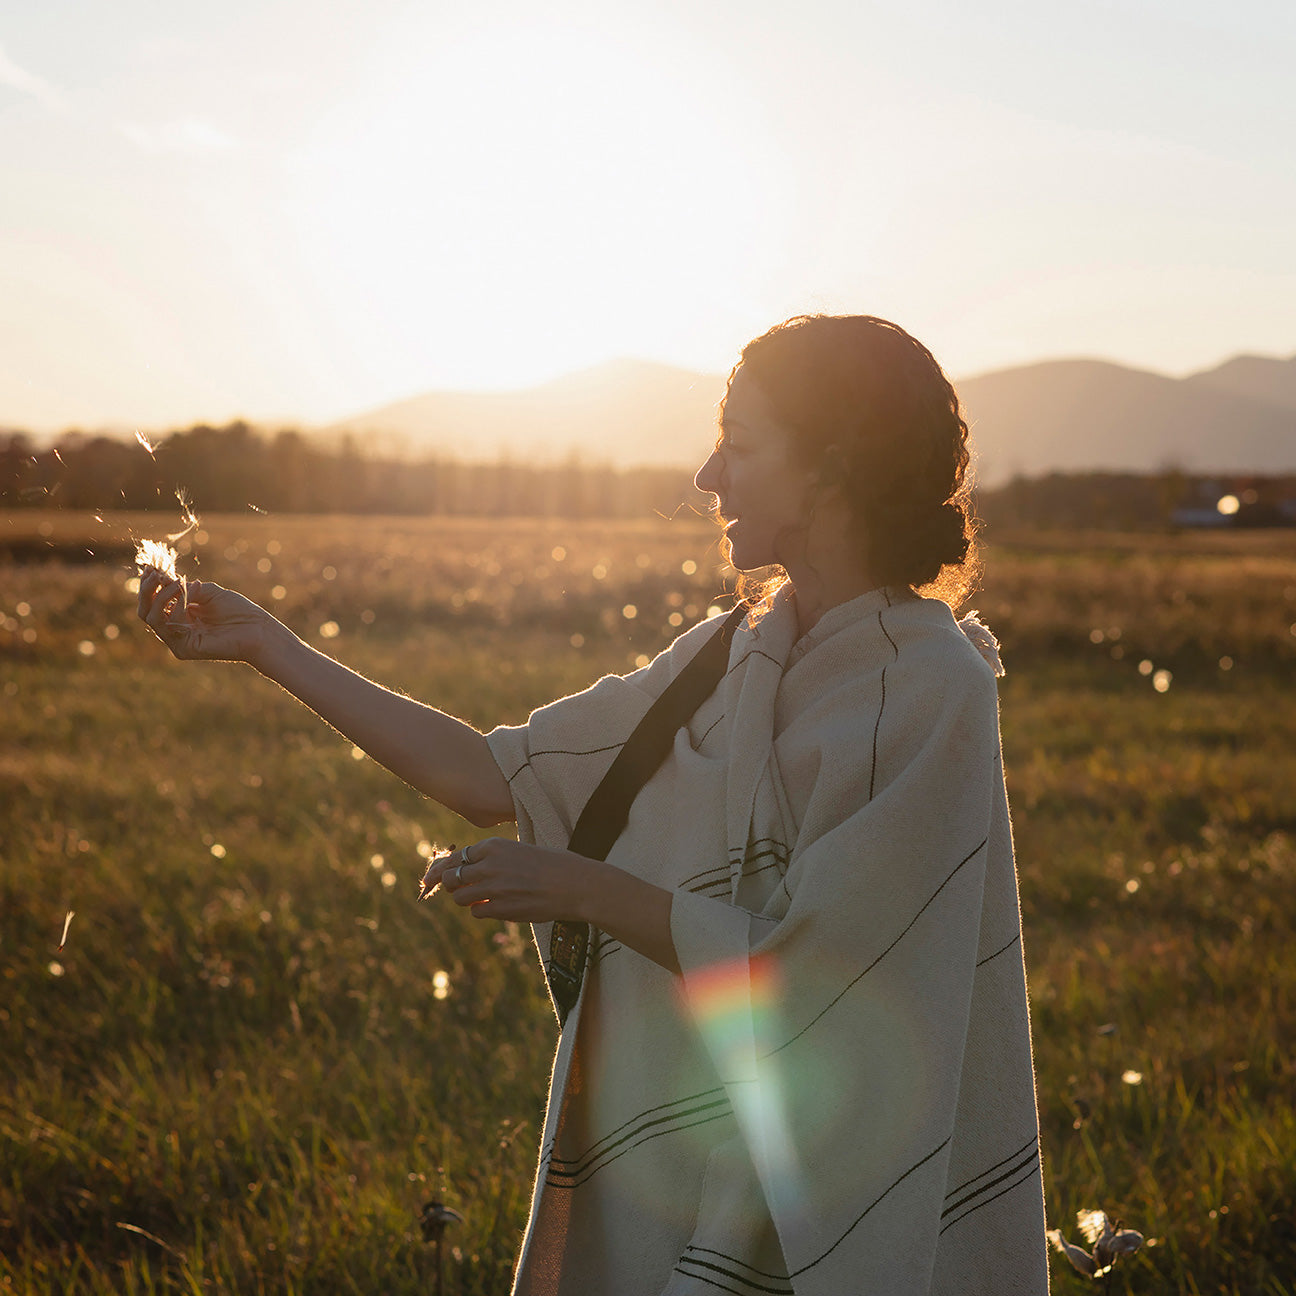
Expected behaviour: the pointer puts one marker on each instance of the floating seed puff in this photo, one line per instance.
(159, 554)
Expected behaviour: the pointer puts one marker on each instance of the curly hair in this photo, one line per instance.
(870, 411)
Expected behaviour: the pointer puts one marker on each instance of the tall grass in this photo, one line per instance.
(237, 1076)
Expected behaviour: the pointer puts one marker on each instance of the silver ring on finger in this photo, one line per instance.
(467, 859)
(457, 874)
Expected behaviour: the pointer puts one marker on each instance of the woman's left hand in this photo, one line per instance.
(499, 878)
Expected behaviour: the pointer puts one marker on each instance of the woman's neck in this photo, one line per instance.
(816, 591)
(827, 568)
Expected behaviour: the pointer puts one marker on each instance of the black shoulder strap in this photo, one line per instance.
(604, 817)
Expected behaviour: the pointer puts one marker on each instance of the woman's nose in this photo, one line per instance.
(708, 476)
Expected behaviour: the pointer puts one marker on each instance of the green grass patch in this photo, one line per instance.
(238, 1077)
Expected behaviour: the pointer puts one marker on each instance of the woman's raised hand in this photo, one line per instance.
(202, 621)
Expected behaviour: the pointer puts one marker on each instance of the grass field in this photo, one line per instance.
(256, 1058)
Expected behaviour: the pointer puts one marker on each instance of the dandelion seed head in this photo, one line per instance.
(158, 555)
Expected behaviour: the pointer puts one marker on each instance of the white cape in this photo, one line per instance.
(837, 1095)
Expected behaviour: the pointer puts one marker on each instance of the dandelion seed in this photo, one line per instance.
(67, 922)
(1132, 1077)
(144, 441)
(191, 522)
(255, 509)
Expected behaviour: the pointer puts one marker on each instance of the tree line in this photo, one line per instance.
(238, 467)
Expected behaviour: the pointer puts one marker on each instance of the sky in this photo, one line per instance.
(300, 210)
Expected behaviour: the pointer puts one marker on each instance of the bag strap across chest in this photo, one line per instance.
(605, 814)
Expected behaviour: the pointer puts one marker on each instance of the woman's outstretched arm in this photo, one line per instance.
(442, 757)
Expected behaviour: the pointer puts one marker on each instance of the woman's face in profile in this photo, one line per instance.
(760, 490)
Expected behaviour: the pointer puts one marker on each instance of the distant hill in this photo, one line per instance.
(1257, 377)
(1073, 415)
(624, 413)
(1054, 416)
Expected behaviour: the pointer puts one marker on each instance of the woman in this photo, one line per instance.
(800, 1059)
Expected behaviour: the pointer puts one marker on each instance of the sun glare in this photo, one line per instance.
(524, 200)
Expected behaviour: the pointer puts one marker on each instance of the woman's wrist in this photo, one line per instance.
(273, 643)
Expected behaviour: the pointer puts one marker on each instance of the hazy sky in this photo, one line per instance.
(304, 208)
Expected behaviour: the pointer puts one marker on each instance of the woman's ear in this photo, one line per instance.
(831, 472)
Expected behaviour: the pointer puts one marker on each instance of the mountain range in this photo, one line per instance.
(1052, 416)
